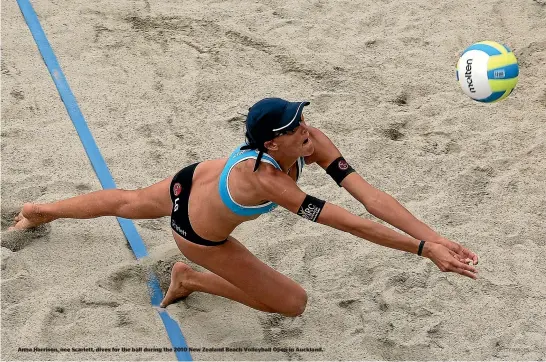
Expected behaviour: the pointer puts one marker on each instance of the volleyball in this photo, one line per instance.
(487, 71)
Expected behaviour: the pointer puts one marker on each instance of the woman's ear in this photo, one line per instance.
(271, 145)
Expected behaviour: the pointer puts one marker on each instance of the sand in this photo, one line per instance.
(163, 84)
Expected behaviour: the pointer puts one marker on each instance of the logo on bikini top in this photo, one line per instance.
(342, 165)
(177, 188)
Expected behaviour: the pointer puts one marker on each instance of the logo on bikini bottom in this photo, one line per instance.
(342, 165)
(177, 188)
(178, 229)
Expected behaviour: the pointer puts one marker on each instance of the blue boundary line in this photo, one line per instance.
(101, 169)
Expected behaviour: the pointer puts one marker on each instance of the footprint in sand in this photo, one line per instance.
(393, 132)
(401, 100)
(98, 311)
(278, 330)
(236, 124)
(17, 289)
(348, 303)
(17, 94)
(154, 224)
(407, 281)
(473, 184)
(6, 255)
(124, 279)
(437, 334)
(439, 143)
(131, 280)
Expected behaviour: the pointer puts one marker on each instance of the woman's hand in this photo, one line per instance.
(463, 253)
(448, 260)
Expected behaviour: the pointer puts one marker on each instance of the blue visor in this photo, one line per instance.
(272, 116)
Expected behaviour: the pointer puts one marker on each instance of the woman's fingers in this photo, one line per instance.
(466, 273)
(452, 261)
(464, 269)
(463, 259)
(468, 254)
(468, 267)
(462, 251)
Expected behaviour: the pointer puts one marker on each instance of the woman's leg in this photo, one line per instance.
(237, 275)
(148, 203)
(185, 280)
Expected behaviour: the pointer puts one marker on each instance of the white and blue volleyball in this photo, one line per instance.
(487, 71)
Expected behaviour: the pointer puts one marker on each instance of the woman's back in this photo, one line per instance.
(224, 192)
(210, 217)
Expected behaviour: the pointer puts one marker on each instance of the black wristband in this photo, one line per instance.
(339, 169)
(311, 207)
(420, 250)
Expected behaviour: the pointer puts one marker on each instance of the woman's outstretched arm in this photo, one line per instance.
(281, 189)
(379, 203)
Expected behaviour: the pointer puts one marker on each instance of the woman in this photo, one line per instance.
(208, 200)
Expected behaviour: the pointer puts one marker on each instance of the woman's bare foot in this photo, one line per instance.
(178, 288)
(29, 217)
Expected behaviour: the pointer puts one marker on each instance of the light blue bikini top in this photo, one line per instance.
(240, 155)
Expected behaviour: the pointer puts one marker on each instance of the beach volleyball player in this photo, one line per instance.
(208, 200)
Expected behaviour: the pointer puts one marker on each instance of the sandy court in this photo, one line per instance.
(163, 84)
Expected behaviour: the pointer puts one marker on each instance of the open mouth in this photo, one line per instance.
(306, 141)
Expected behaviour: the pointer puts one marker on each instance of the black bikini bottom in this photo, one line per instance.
(180, 194)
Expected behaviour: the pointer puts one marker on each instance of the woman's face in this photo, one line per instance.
(297, 141)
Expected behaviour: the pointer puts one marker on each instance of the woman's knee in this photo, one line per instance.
(295, 304)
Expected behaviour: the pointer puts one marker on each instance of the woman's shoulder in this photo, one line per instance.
(268, 177)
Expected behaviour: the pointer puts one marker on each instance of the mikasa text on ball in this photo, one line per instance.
(487, 71)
